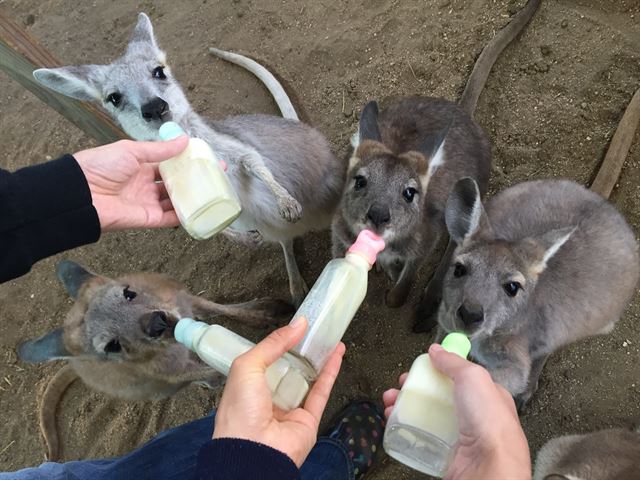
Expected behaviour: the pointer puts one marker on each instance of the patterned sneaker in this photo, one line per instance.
(360, 428)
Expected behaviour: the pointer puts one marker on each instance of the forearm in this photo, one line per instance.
(44, 209)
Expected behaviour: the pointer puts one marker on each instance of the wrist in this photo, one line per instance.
(508, 459)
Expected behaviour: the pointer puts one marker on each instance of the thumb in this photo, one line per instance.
(154, 152)
(277, 343)
(450, 364)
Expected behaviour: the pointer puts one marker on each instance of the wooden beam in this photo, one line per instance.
(21, 54)
(611, 167)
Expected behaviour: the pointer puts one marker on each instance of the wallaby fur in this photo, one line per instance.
(118, 338)
(546, 264)
(605, 455)
(404, 162)
(286, 177)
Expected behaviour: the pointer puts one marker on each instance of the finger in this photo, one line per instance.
(403, 378)
(450, 364)
(276, 344)
(387, 411)
(390, 396)
(168, 219)
(153, 152)
(321, 390)
(166, 205)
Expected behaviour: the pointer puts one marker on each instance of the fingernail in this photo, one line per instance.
(296, 322)
(436, 347)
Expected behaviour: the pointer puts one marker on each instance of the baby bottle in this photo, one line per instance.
(289, 378)
(335, 297)
(423, 428)
(198, 187)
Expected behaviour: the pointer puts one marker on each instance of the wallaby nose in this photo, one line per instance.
(154, 109)
(379, 214)
(470, 316)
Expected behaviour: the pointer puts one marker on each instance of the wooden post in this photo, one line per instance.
(20, 55)
(609, 172)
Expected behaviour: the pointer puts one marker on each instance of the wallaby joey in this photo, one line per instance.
(118, 338)
(547, 263)
(286, 177)
(404, 162)
(605, 455)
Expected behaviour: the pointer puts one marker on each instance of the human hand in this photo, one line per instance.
(246, 410)
(122, 177)
(491, 442)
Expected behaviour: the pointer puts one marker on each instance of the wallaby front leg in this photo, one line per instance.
(289, 208)
(397, 296)
(508, 360)
(297, 285)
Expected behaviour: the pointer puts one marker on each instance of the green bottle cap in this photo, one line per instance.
(457, 343)
(170, 130)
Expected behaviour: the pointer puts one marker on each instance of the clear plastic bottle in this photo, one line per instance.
(423, 427)
(200, 192)
(335, 297)
(289, 378)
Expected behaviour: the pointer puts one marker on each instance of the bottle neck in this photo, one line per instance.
(358, 260)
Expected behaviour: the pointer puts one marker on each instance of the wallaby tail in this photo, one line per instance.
(611, 167)
(490, 54)
(265, 76)
(50, 400)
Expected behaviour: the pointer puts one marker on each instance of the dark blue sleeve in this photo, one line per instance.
(44, 209)
(236, 459)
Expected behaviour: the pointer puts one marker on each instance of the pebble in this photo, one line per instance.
(564, 23)
(48, 157)
(583, 105)
(30, 20)
(545, 50)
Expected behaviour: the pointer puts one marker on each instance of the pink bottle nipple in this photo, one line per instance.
(368, 245)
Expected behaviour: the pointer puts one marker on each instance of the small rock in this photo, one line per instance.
(30, 20)
(348, 112)
(32, 296)
(190, 87)
(545, 50)
(444, 3)
(583, 105)
(48, 157)
(624, 344)
(564, 23)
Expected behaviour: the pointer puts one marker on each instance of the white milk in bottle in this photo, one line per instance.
(289, 378)
(335, 297)
(422, 429)
(198, 187)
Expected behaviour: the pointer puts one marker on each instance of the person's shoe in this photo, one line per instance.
(360, 428)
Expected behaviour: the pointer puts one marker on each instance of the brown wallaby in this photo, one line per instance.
(118, 338)
(404, 162)
(605, 455)
(546, 264)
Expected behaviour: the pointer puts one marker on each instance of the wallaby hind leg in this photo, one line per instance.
(48, 406)
(397, 296)
(532, 385)
(297, 285)
(426, 313)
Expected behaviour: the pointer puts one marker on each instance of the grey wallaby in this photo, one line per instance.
(118, 338)
(544, 264)
(403, 164)
(605, 455)
(286, 177)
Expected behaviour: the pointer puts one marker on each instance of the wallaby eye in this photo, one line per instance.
(113, 347)
(114, 98)
(129, 294)
(158, 73)
(409, 193)
(459, 270)
(361, 182)
(512, 288)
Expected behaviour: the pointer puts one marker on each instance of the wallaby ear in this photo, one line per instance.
(430, 146)
(539, 250)
(464, 213)
(45, 348)
(143, 33)
(79, 82)
(72, 276)
(368, 126)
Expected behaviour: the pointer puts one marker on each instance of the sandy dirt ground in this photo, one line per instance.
(550, 108)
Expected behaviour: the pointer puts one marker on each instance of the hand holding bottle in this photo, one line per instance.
(246, 410)
(491, 442)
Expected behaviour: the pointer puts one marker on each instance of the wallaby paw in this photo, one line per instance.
(395, 298)
(289, 208)
(426, 315)
(299, 293)
(254, 238)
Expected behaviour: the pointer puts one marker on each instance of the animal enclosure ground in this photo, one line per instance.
(550, 107)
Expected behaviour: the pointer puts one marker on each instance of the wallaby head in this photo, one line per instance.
(489, 279)
(385, 191)
(126, 319)
(138, 89)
